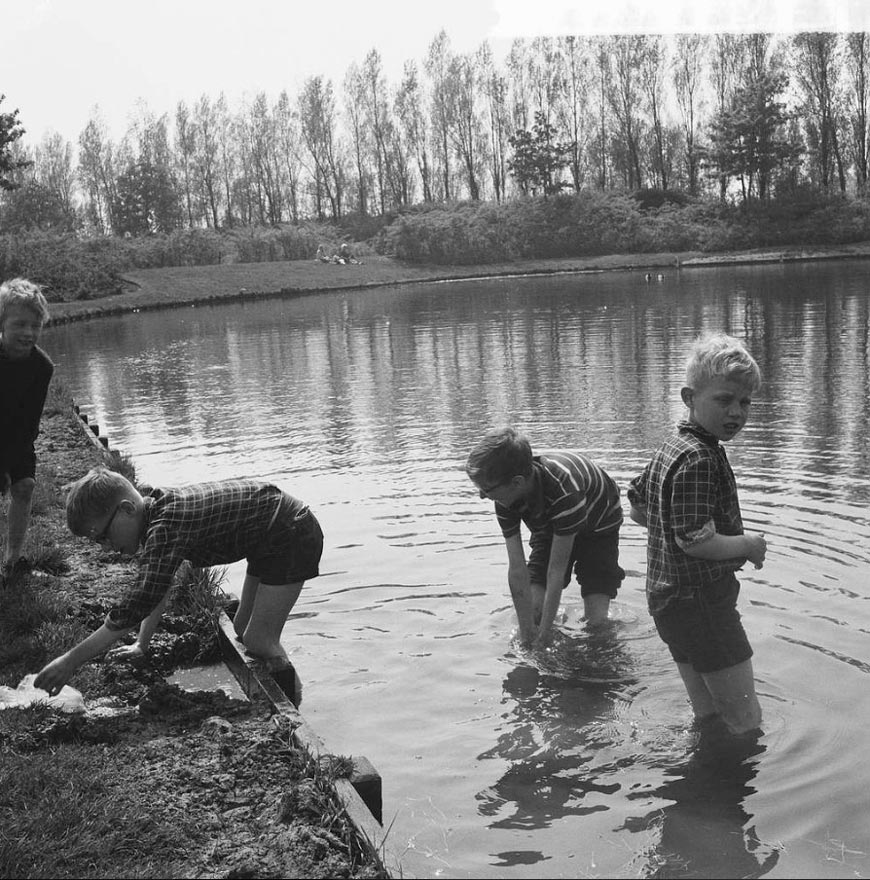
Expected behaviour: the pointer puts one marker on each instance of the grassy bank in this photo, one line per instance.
(173, 287)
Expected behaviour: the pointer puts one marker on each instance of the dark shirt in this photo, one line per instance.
(23, 389)
(689, 494)
(572, 494)
(206, 524)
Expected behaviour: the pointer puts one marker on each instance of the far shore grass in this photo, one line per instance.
(172, 287)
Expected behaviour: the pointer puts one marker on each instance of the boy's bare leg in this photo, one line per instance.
(262, 634)
(18, 516)
(596, 607)
(699, 694)
(733, 692)
(246, 605)
(538, 591)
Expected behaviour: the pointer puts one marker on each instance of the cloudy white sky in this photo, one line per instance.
(61, 59)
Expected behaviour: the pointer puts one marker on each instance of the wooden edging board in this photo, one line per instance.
(360, 796)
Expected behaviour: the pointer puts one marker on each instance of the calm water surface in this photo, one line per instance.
(580, 762)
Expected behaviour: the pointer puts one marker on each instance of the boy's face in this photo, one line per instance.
(506, 493)
(20, 331)
(120, 529)
(720, 406)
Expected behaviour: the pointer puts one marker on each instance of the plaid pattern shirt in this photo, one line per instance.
(689, 494)
(572, 494)
(206, 524)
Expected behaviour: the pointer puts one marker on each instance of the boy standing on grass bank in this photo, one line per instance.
(572, 509)
(687, 499)
(25, 374)
(207, 524)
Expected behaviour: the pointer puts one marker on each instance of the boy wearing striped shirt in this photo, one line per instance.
(572, 510)
(207, 524)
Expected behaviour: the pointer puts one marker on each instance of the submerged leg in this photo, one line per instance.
(596, 607)
(699, 694)
(733, 693)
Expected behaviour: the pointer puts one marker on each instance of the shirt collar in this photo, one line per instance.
(687, 427)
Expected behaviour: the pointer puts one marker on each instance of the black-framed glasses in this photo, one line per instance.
(104, 533)
(487, 489)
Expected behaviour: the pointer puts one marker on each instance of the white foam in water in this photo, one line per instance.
(68, 700)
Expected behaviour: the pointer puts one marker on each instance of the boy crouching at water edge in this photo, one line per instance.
(572, 510)
(25, 374)
(687, 499)
(206, 524)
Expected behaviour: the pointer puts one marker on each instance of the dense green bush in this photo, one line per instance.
(593, 223)
(588, 223)
(66, 267)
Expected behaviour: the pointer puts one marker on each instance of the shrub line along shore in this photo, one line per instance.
(149, 289)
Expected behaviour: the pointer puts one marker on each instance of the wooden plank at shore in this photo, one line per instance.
(360, 796)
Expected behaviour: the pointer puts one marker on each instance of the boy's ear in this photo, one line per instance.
(688, 395)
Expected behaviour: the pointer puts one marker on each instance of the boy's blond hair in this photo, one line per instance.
(502, 455)
(719, 356)
(21, 292)
(93, 496)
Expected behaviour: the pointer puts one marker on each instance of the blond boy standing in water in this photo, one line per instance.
(687, 499)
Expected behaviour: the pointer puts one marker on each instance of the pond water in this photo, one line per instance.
(580, 762)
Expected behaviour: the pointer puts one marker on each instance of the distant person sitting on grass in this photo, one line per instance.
(25, 374)
(321, 254)
(344, 256)
(207, 524)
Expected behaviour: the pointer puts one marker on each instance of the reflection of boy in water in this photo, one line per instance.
(572, 509)
(687, 498)
(705, 830)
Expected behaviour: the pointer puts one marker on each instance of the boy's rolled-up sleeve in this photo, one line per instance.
(636, 493)
(693, 502)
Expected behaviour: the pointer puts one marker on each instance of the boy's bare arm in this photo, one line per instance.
(752, 546)
(638, 515)
(146, 630)
(560, 557)
(56, 674)
(518, 581)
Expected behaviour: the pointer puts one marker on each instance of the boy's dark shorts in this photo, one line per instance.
(594, 559)
(17, 464)
(291, 551)
(705, 631)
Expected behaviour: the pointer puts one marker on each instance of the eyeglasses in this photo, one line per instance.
(485, 490)
(104, 534)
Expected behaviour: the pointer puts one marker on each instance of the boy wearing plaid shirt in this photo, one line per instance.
(572, 510)
(206, 524)
(687, 499)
